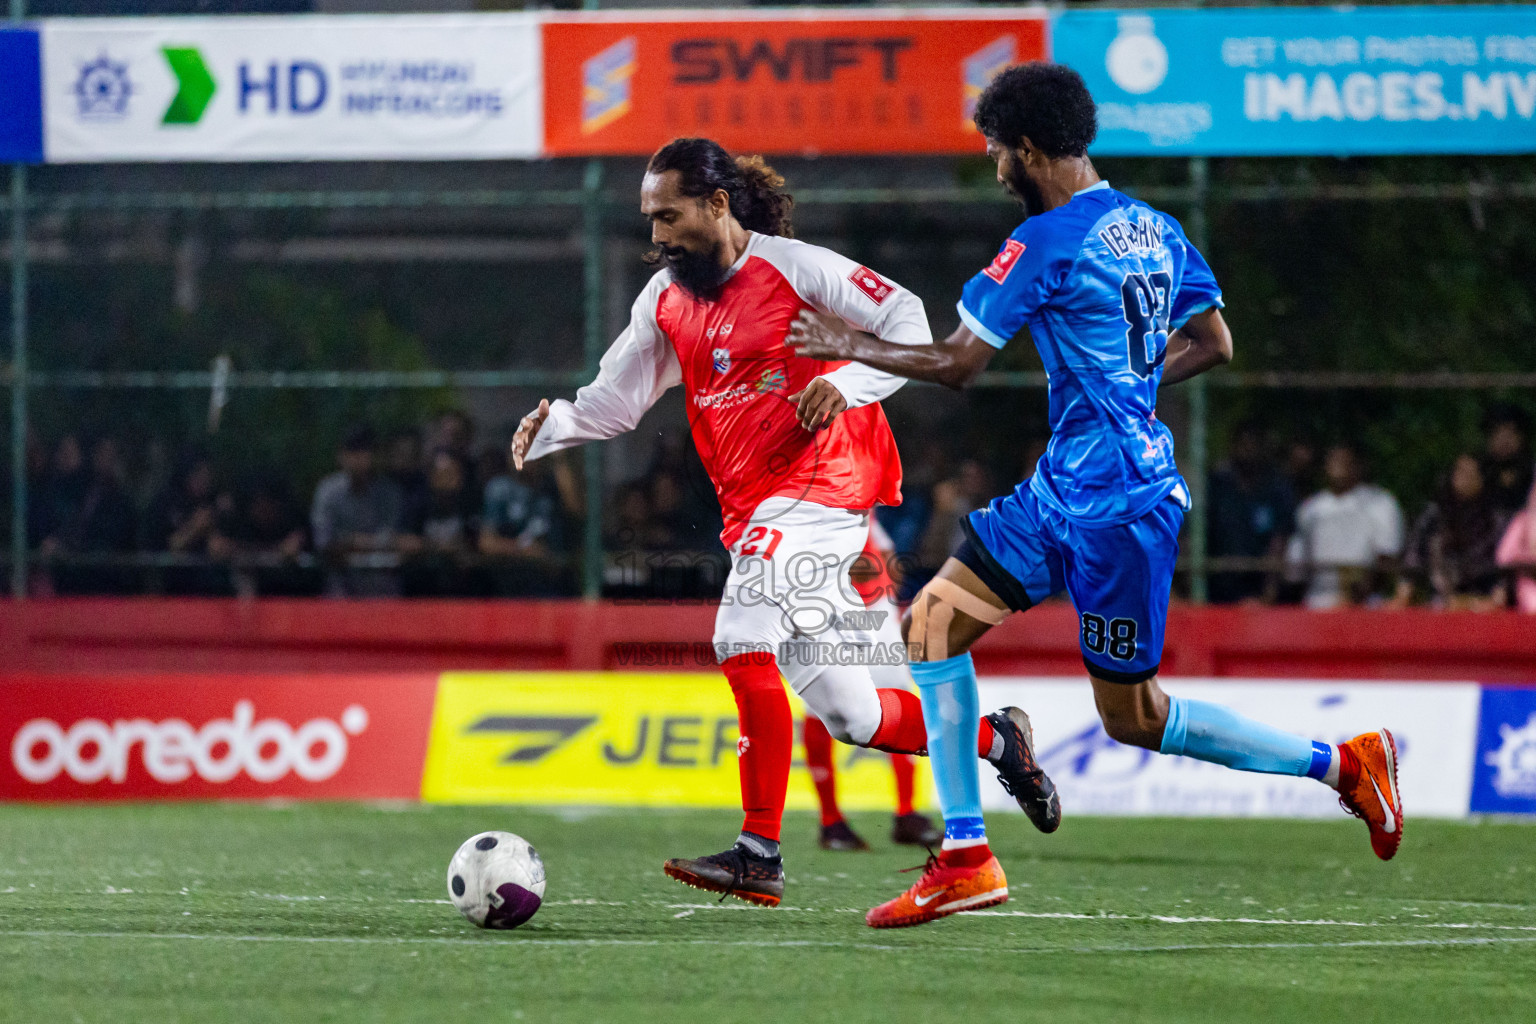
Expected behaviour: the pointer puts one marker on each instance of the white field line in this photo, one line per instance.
(765, 944)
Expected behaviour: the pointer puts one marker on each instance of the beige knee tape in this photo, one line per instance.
(934, 609)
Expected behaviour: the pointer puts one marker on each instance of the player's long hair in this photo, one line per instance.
(758, 200)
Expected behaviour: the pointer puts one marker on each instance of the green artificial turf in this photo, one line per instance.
(208, 913)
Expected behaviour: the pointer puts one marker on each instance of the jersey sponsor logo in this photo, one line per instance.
(1141, 235)
(772, 381)
(871, 284)
(1003, 263)
(721, 358)
(731, 396)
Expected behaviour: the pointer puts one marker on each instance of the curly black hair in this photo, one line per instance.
(1048, 103)
(758, 199)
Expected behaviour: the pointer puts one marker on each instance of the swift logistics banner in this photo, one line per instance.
(826, 82)
(442, 87)
(670, 740)
(1291, 81)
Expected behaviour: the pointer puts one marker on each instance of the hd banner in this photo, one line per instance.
(826, 82)
(292, 88)
(1292, 81)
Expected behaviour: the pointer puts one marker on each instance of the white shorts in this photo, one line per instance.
(789, 590)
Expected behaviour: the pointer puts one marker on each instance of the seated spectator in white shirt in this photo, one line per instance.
(1345, 534)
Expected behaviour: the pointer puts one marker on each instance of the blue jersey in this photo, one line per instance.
(1099, 283)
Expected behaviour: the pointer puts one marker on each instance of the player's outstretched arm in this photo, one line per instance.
(1204, 342)
(954, 362)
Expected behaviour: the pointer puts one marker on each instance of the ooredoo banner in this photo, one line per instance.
(1341, 80)
(433, 87)
(179, 737)
(823, 82)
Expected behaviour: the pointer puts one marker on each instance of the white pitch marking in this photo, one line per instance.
(783, 944)
(1320, 922)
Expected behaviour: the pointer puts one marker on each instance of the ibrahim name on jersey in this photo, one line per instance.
(1099, 283)
(730, 356)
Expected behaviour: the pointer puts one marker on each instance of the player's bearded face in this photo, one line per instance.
(1019, 185)
(699, 270)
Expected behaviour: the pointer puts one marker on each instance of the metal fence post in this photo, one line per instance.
(1199, 181)
(18, 380)
(592, 307)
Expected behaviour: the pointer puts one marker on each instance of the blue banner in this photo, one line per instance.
(1504, 768)
(21, 96)
(1288, 81)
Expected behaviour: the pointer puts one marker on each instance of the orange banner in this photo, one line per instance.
(837, 83)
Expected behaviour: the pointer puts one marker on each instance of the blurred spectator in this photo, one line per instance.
(1507, 460)
(180, 521)
(1300, 466)
(516, 527)
(96, 520)
(1517, 553)
(61, 494)
(967, 490)
(447, 526)
(1451, 547)
(1346, 534)
(358, 513)
(454, 432)
(1252, 512)
(180, 518)
(263, 522)
(403, 465)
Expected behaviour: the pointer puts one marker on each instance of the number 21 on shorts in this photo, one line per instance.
(755, 537)
(1115, 637)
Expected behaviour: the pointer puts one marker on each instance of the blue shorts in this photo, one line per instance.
(1119, 577)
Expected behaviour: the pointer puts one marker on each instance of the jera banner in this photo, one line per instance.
(827, 82)
(1288, 81)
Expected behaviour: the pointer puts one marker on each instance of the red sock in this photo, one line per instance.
(984, 734)
(767, 740)
(905, 769)
(818, 758)
(966, 856)
(1349, 768)
(901, 728)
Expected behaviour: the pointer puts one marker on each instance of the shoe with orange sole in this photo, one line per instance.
(943, 891)
(1368, 789)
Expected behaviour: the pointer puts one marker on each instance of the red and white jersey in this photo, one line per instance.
(730, 356)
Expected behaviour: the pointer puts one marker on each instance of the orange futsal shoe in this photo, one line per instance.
(1368, 788)
(943, 891)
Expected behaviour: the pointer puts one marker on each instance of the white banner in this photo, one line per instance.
(292, 88)
(1435, 725)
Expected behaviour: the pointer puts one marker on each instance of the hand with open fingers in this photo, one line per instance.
(527, 430)
(819, 404)
(819, 336)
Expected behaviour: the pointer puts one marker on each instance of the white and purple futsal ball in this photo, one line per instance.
(496, 880)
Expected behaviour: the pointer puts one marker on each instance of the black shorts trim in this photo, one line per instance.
(973, 554)
(1128, 678)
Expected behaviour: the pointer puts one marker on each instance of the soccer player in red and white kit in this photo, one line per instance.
(799, 452)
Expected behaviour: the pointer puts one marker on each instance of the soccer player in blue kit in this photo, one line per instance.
(1117, 302)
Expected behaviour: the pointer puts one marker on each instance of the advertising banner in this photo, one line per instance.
(21, 122)
(210, 737)
(1504, 770)
(1279, 81)
(773, 82)
(1435, 725)
(611, 739)
(292, 88)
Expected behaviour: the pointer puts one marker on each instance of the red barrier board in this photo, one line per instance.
(835, 83)
(224, 736)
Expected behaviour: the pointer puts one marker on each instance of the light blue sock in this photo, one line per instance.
(951, 709)
(1213, 733)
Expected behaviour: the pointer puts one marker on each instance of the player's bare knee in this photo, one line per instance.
(1133, 729)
